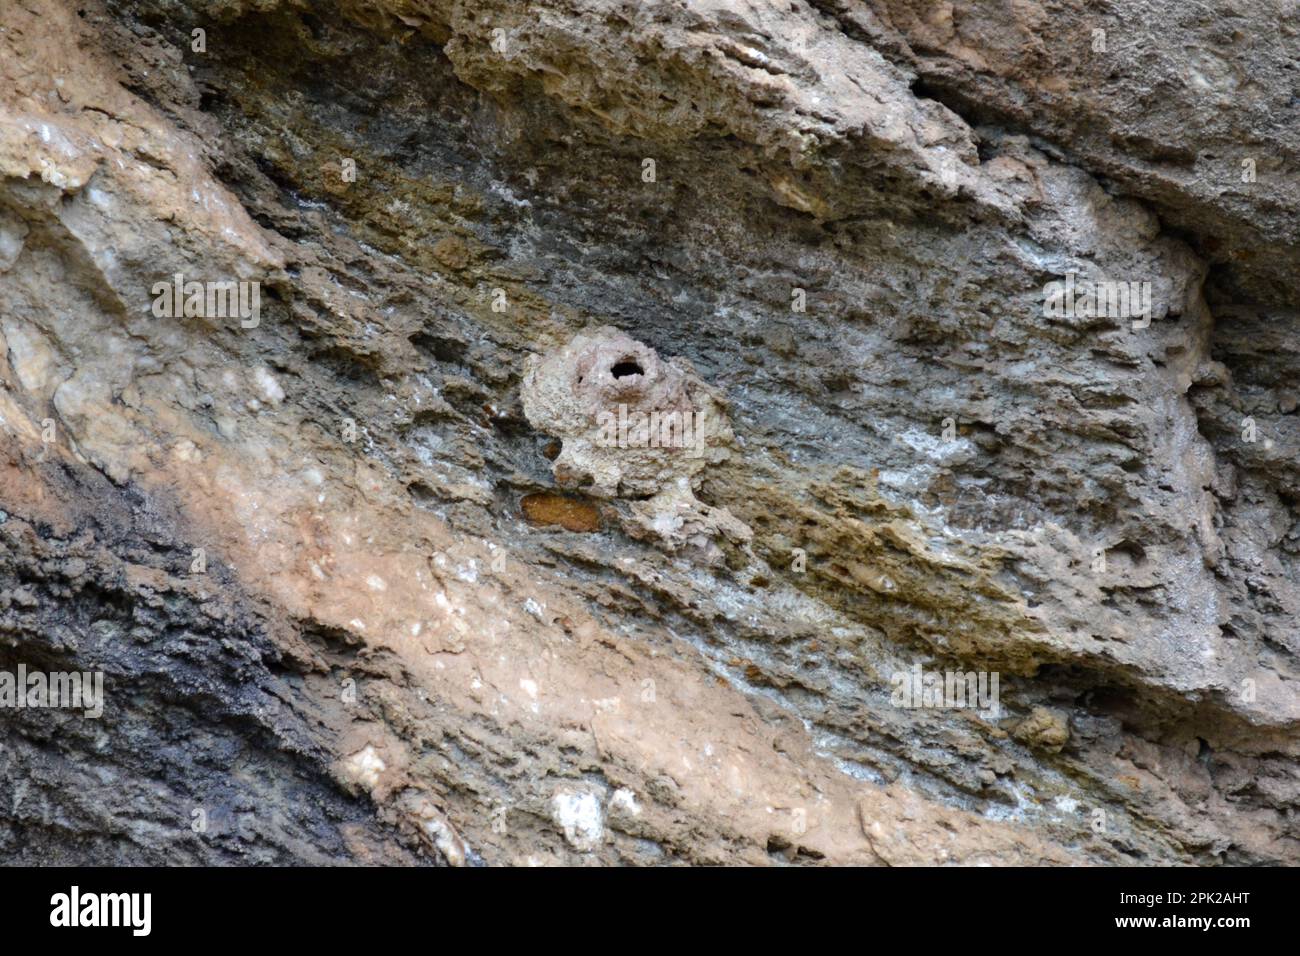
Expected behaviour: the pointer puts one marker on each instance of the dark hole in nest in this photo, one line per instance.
(626, 368)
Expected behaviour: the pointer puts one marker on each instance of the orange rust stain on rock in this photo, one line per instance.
(569, 513)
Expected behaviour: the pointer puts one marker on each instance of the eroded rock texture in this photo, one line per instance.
(355, 603)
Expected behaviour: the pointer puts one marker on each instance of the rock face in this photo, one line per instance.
(991, 306)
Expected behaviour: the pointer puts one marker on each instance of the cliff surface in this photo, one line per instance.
(366, 584)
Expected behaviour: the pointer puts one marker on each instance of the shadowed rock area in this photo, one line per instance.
(372, 573)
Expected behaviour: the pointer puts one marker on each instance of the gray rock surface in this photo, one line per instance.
(362, 588)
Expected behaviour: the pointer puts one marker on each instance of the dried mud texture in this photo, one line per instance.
(636, 427)
(348, 603)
